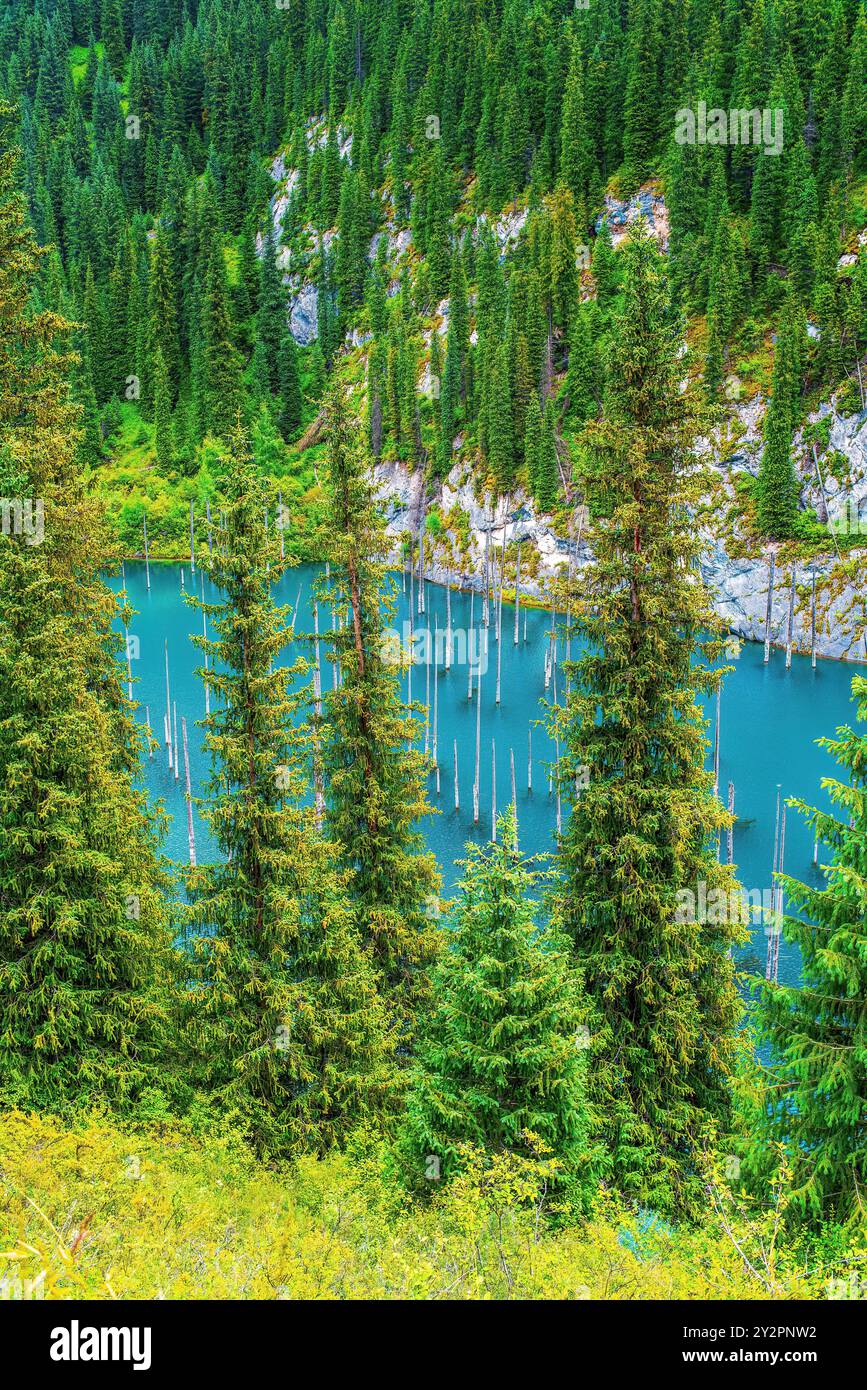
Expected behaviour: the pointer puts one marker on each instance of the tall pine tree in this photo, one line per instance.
(501, 1061)
(374, 783)
(644, 820)
(85, 955)
(288, 1030)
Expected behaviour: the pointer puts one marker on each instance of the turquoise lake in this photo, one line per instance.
(771, 719)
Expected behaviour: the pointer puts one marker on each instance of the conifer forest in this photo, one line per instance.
(433, 626)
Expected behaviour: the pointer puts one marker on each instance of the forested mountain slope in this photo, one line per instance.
(448, 179)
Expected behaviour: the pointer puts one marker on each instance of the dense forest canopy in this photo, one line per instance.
(148, 132)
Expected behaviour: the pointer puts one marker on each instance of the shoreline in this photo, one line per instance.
(527, 600)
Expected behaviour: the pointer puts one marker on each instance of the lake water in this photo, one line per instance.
(771, 719)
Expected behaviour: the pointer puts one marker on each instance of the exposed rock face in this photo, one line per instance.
(740, 589)
(401, 494)
(508, 228)
(838, 488)
(303, 295)
(851, 257)
(647, 203)
(397, 241)
(303, 309)
(739, 586)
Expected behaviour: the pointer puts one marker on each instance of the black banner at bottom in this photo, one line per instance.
(84, 1340)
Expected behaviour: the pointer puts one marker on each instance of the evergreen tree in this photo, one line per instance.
(220, 386)
(375, 784)
(586, 372)
(111, 32)
(353, 236)
(641, 836)
(501, 1059)
(291, 403)
(162, 326)
(500, 424)
(576, 151)
(547, 471)
(560, 271)
(449, 397)
(163, 442)
(458, 340)
(329, 198)
(316, 385)
(714, 367)
(271, 316)
(85, 959)
(437, 228)
(641, 114)
(853, 138)
(533, 444)
(98, 354)
(777, 489)
(287, 1029)
(604, 267)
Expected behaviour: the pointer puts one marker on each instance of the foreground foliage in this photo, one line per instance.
(108, 1213)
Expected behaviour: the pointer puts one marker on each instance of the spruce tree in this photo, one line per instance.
(500, 424)
(111, 32)
(97, 340)
(162, 325)
(458, 338)
(287, 1028)
(220, 385)
(437, 240)
(291, 406)
(815, 1099)
(584, 381)
(163, 443)
(85, 956)
(855, 93)
(271, 316)
(374, 783)
(501, 1060)
(533, 444)
(547, 471)
(576, 150)
(641, 113)
(449, 397)
(640, 840)
(561, 275)
(604, 267)
(714, 364)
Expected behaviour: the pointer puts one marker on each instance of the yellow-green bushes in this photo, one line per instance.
(108, 1213)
